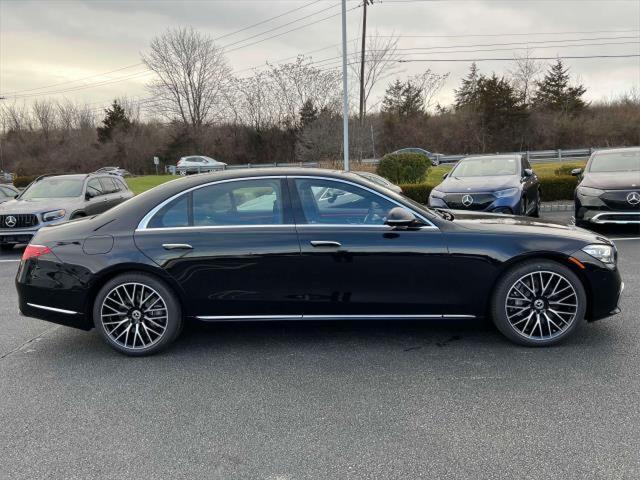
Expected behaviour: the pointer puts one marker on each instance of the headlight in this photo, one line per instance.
(509, 192)
(436, 194)
(53, 215)
(604, 253)
(590, 192)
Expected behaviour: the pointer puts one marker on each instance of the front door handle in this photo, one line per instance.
(177, 246)
(325, 243)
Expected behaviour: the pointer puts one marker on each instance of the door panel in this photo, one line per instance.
(232, 246)
(356, 265)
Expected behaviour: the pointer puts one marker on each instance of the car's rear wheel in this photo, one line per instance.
(538, 303)
(137, 314)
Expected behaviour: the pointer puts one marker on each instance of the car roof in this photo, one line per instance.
(617, 150)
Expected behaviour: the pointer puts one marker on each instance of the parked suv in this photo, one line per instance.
(609, 189)
(492, 183)
(54, 199)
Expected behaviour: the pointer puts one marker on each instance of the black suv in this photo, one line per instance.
(609, 188)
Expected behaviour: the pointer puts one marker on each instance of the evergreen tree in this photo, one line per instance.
(467, 94)
(403, 99)
(115, 118)
(308, 113)
(555, 92)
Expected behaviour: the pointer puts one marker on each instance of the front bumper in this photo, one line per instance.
(15, 236)
(610, 217)
(480, 202)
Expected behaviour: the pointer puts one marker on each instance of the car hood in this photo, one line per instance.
(478, 184)
(512, 224)
(35, 206)
(611, 180)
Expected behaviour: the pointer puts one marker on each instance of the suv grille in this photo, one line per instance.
(18, 220)
(481, 201)
(617, 200)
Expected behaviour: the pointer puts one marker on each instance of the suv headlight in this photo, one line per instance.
(604, 253)
(509, 192)
(436, 193)
(590, 192)
(53, 215)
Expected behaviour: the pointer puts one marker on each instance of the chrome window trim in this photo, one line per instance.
(329, 317)
(145, 220)
(52, 309)
(143, 225)
(429, 225)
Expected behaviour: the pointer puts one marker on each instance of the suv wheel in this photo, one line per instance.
(137, 314)
(538, 303)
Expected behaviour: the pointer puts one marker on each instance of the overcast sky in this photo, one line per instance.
(45, 43)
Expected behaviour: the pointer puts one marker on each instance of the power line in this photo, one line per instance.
(562, 57)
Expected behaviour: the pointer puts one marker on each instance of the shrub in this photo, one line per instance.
(417, 191)
(23, 181)
(557, 187)
(404, 167)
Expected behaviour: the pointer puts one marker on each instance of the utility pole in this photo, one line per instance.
(345, 93)
(362, 55)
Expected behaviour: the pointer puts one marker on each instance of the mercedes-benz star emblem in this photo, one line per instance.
(10, 221)
(633, 198)
(467, 200)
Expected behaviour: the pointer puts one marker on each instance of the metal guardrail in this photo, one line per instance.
(174, 170)
(536, 156)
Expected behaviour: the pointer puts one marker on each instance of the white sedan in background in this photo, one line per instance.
(198, 164)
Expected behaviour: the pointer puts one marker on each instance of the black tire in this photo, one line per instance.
(168, 304)
(508, 283)
(536, 211)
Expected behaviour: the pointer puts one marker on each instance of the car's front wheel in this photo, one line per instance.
(538, 303)
(137, 314)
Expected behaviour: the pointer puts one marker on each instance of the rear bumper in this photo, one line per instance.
(48, 292)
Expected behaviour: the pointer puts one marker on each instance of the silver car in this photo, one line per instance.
(54, 199)
(198, 164)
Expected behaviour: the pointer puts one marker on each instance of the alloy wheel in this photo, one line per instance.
(134, 315)
(541, 305)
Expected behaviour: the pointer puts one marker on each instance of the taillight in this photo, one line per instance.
(33, 251)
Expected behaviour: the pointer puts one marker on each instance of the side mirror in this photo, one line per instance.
(88, 196)
(399, 217)
(445, 176)
(576, 171)
(527, 172)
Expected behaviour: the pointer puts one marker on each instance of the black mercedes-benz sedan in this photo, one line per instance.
(490, 183)
(291, 244)
(609, 189)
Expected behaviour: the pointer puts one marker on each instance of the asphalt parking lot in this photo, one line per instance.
(392, 400)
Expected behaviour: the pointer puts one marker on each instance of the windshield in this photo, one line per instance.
(54, 188)
(486, 167)
(616, 162)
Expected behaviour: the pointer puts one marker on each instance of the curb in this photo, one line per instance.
(556, 207)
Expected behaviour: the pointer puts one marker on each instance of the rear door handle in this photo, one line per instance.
(325, 243)
(177, 246)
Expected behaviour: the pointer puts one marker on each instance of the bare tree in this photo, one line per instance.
(429, 83)
(292, 84)
(192, 75)
(44, 113)
(381, 61)
(524, 75)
